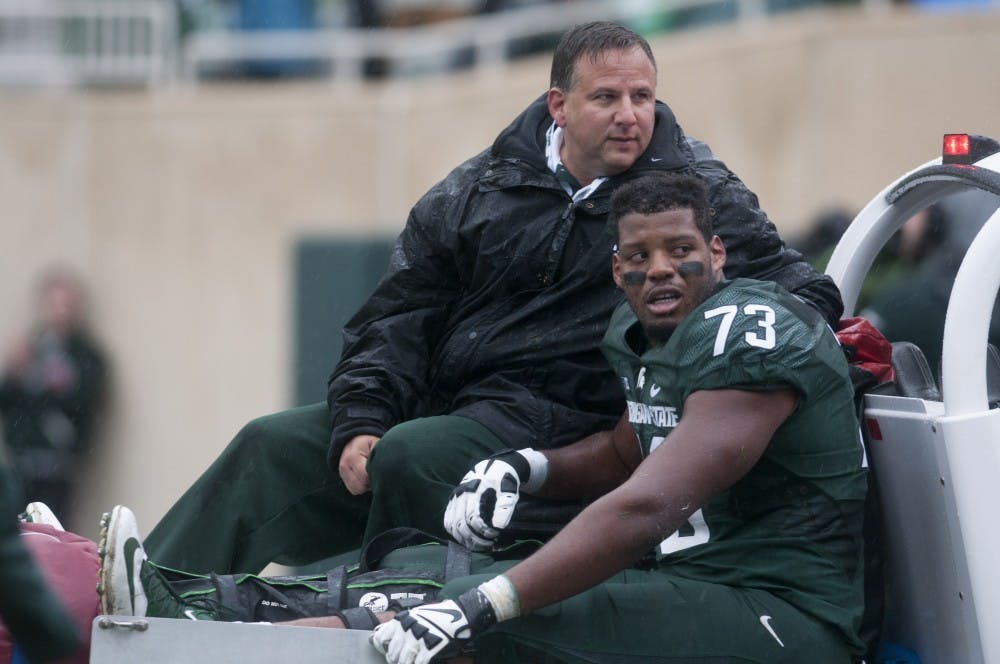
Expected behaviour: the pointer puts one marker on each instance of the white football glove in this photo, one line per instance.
(483, 502)
(433, 631)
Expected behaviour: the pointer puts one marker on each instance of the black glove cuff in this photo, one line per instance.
(516, 461)
(477, 610)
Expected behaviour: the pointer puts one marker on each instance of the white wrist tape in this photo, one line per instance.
(539, 469)
(502, 596)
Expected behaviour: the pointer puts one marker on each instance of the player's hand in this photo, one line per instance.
(435, 631)
(423, 633)
(483, 502)
(353, 463)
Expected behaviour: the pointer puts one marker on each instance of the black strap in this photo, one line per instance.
(401, 604)
(359, 617)
(458, 563)
(229, 596)
(390, 540)
(336, 579)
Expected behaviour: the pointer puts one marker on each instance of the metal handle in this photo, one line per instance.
(107, 622)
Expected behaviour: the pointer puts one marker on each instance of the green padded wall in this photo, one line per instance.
(333, 278)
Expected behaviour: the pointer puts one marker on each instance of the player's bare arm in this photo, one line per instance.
(722, 434)
(593, 466)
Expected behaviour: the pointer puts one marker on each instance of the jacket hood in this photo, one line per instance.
(524, 138)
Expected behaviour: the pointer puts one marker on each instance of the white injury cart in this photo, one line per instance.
(937, 464)
(937, 461)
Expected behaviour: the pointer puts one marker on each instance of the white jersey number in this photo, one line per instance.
(692, 533)
(763, 339)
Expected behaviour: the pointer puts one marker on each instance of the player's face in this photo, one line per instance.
(608, 116)
(665, 267)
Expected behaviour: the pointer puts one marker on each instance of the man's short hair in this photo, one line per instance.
(651, 194)
(592, 39)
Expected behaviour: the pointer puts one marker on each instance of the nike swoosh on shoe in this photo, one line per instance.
(131, 547)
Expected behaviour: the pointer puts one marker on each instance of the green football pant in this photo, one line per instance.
(651, 616)
(270, 496)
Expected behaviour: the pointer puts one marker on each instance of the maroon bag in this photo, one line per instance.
(69, 564)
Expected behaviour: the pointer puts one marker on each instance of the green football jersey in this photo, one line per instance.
(792, 524)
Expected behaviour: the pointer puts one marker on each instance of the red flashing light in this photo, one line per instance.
(955, 146)
(967, 149)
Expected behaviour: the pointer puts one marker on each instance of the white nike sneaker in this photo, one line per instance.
(41, 513)
(121, 557)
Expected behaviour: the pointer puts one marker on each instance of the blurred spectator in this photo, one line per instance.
(921, 235)
(966, 214)
(51, 391)
(822, 236)
(915, 240)
(913, 308)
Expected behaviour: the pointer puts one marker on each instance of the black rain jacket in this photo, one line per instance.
(494, 301)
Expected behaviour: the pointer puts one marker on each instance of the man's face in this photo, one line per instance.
(665, 268)
(608, 116)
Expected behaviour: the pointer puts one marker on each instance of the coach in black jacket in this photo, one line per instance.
(483, 334)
